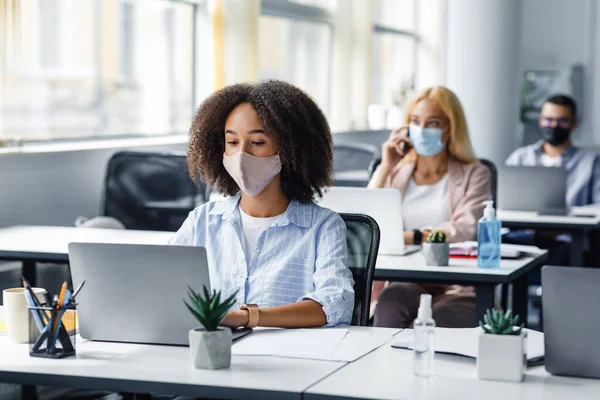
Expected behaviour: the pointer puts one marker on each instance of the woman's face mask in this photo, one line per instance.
(426, 141)
(252, 174)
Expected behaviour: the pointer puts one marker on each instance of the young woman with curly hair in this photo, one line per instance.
(268, 147)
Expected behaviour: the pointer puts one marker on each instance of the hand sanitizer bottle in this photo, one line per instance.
(489, 238)
(424, 329)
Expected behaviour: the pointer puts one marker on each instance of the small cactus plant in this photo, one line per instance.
(208, 309)
(499, 323)
(437, 237)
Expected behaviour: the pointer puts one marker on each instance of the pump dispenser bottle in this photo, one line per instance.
(489, 238)
(423, 347)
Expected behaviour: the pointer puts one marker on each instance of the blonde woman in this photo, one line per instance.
(431, 161)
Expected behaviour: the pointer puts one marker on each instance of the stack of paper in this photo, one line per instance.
(330, 344)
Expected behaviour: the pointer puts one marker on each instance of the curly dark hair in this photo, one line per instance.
(287, 113)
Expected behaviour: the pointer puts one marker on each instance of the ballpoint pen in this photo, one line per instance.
(77, 290)
(34, 302)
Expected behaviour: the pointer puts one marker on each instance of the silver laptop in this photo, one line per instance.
(570, 299)
(540, 189)
(383, 205)
(134, 293)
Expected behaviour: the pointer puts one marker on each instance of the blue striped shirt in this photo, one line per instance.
(301, 256)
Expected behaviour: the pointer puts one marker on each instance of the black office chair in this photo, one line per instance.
(493, 179)
(150, 191)
(351, 163)
(362, 236)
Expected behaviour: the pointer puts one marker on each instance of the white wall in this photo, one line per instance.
(55, 188)
(558, 33)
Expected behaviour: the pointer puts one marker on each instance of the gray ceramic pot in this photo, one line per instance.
(210, 350)
(436, 254)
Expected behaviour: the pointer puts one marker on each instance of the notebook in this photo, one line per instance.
(464, 342)
(469, 250)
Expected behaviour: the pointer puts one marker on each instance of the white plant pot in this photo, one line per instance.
(436, 254)
(210, 350)
(502, 357)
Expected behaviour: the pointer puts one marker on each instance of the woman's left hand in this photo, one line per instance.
(236, 319)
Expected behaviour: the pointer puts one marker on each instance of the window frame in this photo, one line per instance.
(382, 29)
(290, 10)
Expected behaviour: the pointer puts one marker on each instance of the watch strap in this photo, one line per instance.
(253, 314)
(417, 237)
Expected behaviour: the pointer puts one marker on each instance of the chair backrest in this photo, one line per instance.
(351, 163)
(362, 237)
(493, 178)
(490, 165)
(136, 182)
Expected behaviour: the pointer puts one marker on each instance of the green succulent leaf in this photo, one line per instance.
(500, 323)
(208, 308)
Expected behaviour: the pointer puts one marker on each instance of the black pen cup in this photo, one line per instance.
(50, 338)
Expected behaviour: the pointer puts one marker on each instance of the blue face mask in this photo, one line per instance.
(426, 141)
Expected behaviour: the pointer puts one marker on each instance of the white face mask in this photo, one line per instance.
(252, 174)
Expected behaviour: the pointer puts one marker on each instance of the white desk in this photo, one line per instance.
(31, 244)
(135, 368)
(577, 226)
(412, 268)
(162, 369)
(387, 374)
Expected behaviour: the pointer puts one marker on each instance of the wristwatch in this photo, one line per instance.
(417, 237)
(254, 314)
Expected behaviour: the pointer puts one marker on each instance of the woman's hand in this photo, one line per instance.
(236, 319)
(392, 151)
(409, 236)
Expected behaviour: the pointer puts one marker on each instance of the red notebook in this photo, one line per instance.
(470, 252)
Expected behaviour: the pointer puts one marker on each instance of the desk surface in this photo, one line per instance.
(387, 374)
(50, 243)
(532, 220)
(162, 369)
(413, 266)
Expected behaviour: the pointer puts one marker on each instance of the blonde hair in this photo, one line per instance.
(459, 144)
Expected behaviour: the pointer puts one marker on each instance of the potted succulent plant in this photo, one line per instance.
(210, 346)
(502, 353)
(436, 250)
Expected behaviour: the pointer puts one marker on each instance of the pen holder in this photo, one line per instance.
(52, 331)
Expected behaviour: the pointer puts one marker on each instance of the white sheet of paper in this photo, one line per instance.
(357, 344)
(318, 343)
(464, 341)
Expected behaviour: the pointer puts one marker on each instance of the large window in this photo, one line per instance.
(295, 45)
(394, 51)
(98, 67)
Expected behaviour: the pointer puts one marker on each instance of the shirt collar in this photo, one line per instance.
(538, 149)
(297, 213)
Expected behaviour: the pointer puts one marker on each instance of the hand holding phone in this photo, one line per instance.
(395, 148)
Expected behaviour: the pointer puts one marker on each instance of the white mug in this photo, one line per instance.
(16, 313)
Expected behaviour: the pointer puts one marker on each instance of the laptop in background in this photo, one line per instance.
(538, 189)
(383, 205)
(570, 299)
(134, 293)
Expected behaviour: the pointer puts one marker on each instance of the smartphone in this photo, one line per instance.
(405, 147)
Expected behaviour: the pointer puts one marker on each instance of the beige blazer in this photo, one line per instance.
(468, 185)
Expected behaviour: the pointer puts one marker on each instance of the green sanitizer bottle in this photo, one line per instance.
(489, 238)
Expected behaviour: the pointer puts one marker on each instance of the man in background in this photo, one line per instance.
(557, 121)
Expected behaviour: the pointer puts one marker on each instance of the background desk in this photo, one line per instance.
(412, 268)
(387, 374)
(32, 244)
(577, 227)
